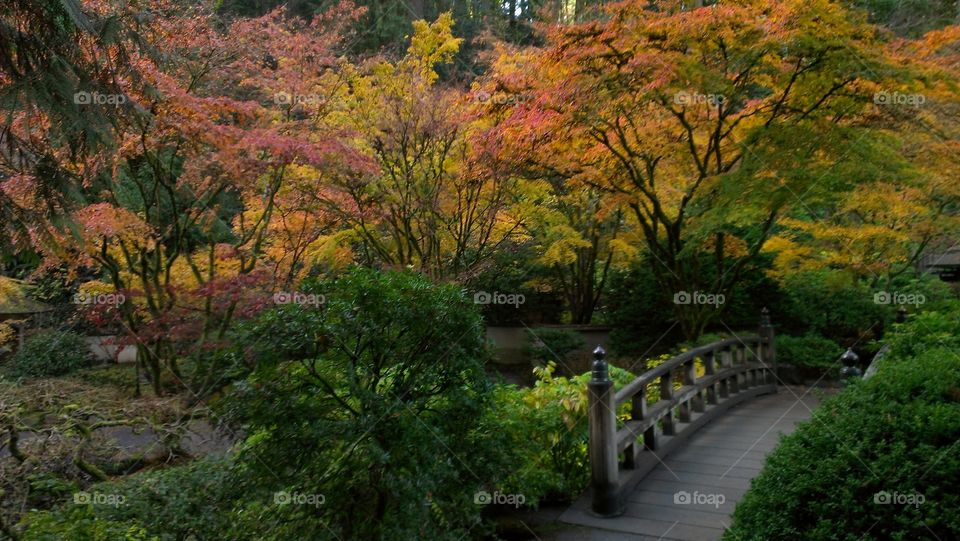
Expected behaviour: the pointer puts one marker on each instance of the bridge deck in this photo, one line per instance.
(692, 493)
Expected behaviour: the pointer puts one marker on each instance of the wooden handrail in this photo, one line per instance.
(672, 363)
(735, 369)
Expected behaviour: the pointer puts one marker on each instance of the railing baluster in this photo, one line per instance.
(638, 405)
(769, 349)
(638, 412)
(650, 438)
(690, 378)
(710, 369)
(724, 364)
(735, 379)
(684, 410)
(745, 382)
(666, 393)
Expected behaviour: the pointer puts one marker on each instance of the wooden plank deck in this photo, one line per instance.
(692, 493)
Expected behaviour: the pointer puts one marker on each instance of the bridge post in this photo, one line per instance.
(768, 346)
(603, 438)
(709, 368)
(666, 393)
(734, 352)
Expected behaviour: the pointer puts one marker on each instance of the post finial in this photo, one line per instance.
(600, 371)
(765, 317)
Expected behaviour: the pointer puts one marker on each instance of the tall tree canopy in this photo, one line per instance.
(708, 124)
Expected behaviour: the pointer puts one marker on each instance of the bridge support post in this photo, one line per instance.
(710, 369)
(734, 352)
(768, 348)
(603, 439)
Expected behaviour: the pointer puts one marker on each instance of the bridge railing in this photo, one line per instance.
(620, 456)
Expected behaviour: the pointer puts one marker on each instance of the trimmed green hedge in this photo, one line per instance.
(812, 352)
(50, 353)
(890, 438)
(195, 499)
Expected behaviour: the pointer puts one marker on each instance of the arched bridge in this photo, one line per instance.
(663, 472)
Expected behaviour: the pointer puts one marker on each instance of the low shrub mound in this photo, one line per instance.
(547, 433)
(50, 353)
(811, 353)
(194, 500)
(877, 461)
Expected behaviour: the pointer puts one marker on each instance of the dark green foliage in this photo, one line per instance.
(194, 499)
(80, 522)
(911, 18)
(925, 331)
(546, 430)
(827, 304)
(50, 353)
(513, 272)
(376, 407)
(811, 352)
(643, 315)
(893, 434)
(640, 312)
(546, 344)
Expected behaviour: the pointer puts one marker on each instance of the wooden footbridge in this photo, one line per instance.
(674, 468)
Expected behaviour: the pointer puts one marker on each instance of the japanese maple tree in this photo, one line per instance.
(707, 124)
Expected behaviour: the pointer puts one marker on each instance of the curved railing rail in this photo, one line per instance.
(733, 370)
